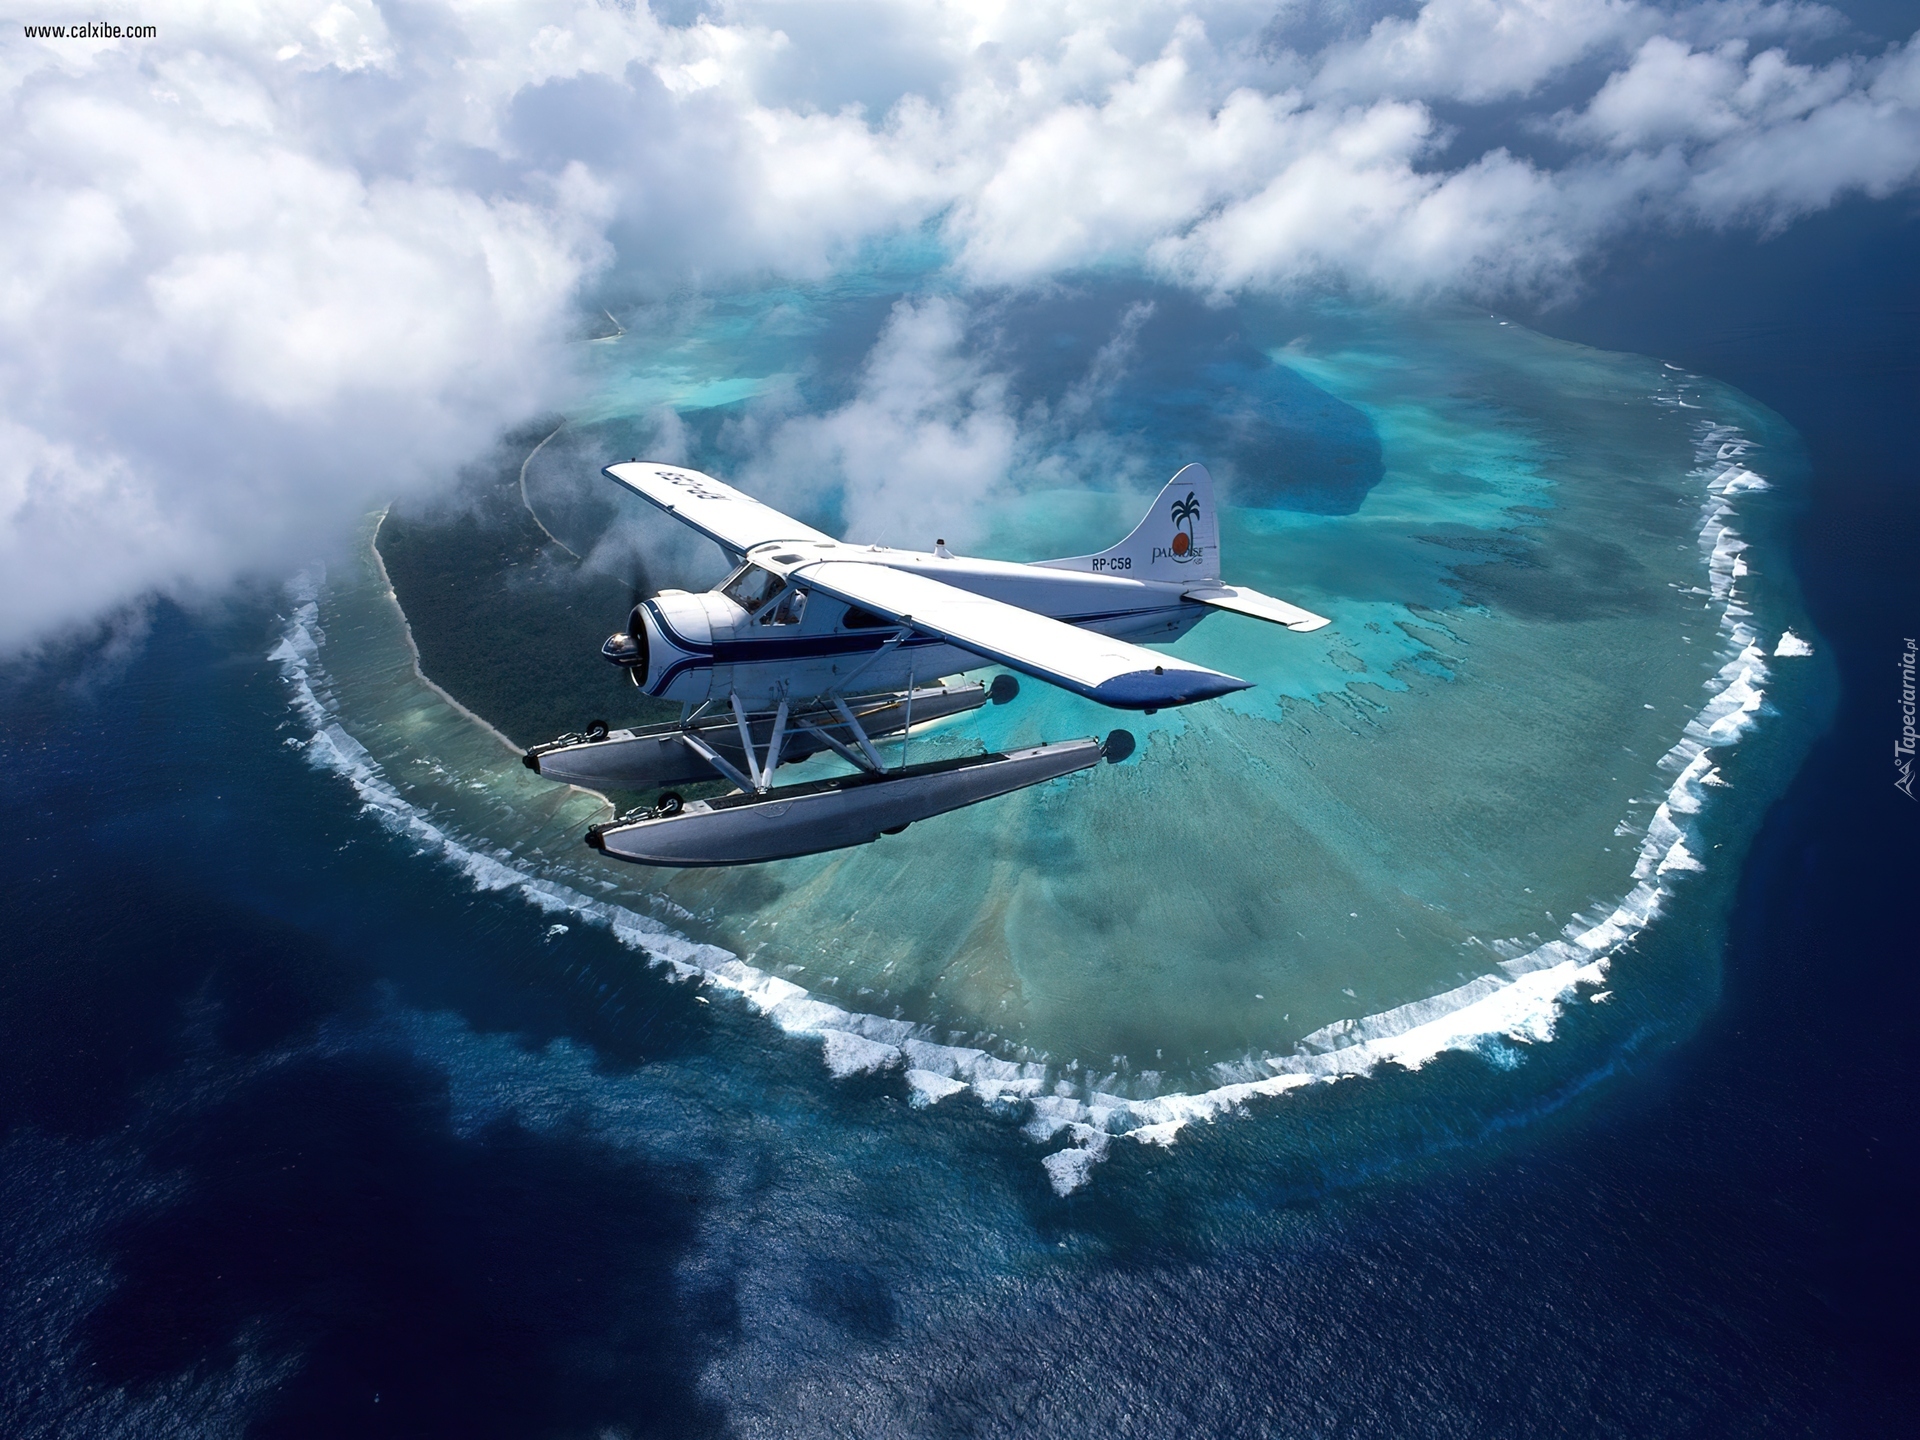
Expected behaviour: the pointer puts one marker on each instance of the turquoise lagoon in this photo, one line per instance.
(1566, 672)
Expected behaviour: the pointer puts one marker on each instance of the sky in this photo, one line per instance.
(281, 263)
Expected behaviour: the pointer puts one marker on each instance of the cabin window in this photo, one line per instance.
(751, 588)
(860, 618)
(788, 609)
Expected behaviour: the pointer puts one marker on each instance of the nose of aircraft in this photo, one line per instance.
(628, 648)
(625, 649)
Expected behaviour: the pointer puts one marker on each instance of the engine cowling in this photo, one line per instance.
(668, 645)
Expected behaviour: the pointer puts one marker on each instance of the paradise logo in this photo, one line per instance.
(1183, 549)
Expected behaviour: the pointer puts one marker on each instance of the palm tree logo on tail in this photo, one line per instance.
(1185, 512)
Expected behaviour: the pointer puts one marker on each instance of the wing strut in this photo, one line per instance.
(892, 643)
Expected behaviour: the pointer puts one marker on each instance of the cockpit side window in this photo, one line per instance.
(788, 609)
(751, 588)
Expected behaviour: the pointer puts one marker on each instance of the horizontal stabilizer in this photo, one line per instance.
(1086, 662)
(1243, 601)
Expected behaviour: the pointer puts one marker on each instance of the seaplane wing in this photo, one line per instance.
(1243, 601)
(733, 521)
(1110, 671)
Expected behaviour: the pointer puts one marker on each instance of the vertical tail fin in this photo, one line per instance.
(1178, 540)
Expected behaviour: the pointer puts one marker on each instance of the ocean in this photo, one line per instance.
(340, 1095)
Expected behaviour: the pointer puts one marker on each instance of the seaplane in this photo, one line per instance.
(812, 645)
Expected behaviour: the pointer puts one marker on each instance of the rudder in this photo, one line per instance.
(1179, 539)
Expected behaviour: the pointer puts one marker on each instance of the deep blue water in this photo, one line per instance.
(304, 1136)
(1804, 1080)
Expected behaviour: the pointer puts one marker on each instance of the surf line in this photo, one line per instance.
(1520, 1001)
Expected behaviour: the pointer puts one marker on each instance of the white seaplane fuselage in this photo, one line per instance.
(769, 639)
(808, 629)
(807, 617)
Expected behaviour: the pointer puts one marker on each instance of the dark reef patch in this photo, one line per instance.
(1187, 385)
(1579, 577)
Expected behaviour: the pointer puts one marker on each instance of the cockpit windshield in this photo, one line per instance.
(752, 587)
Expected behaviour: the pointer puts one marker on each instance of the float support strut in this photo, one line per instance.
(878, 765)
(774, 742)
(851, 756)
(718, 761)
(746, 740)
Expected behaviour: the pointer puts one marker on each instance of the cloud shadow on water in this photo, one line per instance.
(493, 1284)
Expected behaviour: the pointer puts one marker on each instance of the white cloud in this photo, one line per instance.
(291, 258)
(1760, 138)
(218, 337)
(1484, 50)
(1674, 94)
(914, 454)
(1084, 183)
(1477, 50)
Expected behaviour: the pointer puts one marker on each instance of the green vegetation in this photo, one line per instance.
(505, 619)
